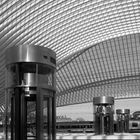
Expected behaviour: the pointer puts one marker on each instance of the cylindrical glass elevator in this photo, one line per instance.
(123, 116)
(30, 93)
(104, 111)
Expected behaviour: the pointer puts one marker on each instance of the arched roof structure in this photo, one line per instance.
(97, 43)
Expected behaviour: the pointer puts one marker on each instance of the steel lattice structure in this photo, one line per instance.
(97, 43)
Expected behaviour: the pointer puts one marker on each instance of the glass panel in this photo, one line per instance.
(22, 74)
(45, 118)
(45, 75)
(27, 72)
(31, 118)
(8, 115)
(13, 118)
(12, 77)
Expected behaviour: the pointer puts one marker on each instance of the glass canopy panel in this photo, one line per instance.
(108, 54)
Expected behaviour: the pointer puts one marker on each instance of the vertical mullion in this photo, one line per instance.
(89, 63)
(80, 75)
(80, 69)
(124, 54)
(96, 65)
(104, 58)
(58, 85)
(133, 53)
(115, 69)
(54, 116)
(99, 64)
(92, 62)
(87, 71)
(12, 119)
(71, 77)
(118, 58)
(62, 85)
(128, 55)
(69, 83)
(17, 115)
(108, 64)
(111, 58)
(78, 83)
(23, 112)
(137, 52)
(39, 115)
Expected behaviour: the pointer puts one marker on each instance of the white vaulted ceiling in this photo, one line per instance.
(97, 43)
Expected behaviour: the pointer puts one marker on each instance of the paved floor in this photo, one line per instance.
(91, 136)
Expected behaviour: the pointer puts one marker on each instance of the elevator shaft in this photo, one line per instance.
(30, 93)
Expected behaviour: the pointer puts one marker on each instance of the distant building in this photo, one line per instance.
(80, 119)
(63, 119)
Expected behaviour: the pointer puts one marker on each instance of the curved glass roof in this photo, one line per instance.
(110, 68)
(97, 44)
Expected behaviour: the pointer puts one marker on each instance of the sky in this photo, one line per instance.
(86, 110)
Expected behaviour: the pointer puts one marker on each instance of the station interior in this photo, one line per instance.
(69, 69)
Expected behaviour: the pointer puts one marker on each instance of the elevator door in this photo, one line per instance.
(30, 117)
(39, 117)
(44, 117)
(23, 116)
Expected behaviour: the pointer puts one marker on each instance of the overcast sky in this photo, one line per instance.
(86, 110)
